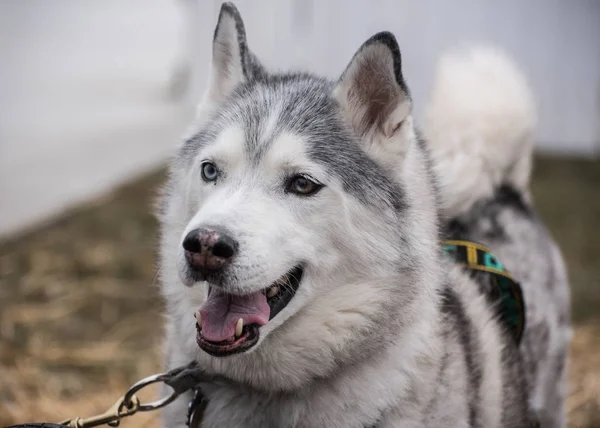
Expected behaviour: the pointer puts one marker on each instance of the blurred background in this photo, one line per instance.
(94, 96)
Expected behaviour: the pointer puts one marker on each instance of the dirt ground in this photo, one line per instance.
(80, 315)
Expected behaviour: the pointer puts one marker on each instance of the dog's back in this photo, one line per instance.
(480, 125)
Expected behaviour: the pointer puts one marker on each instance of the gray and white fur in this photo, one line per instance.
(383, 331)
(480, 125)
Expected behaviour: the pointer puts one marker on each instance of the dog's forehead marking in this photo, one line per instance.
(270, 126)
(287, 150)
(262, 129)
(228, 146)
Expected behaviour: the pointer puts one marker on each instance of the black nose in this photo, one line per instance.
(209, 248)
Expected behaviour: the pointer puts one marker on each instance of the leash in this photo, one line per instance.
(180, 380)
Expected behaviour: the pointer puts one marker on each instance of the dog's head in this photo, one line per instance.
(298, 214)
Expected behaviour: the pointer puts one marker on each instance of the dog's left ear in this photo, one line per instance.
(372, 91)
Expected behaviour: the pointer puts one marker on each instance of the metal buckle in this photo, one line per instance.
(125, 406)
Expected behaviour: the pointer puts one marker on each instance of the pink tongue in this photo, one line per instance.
(221, 312)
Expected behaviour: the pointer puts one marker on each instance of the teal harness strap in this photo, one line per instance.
(477, 258)
(507, 291)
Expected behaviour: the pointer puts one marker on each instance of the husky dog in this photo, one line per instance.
(301, 226)
(479, 126)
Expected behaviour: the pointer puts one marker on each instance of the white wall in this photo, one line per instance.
(82, 100)
(83, 84)
(556, 43)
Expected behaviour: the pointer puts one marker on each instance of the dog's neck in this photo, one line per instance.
(404, 367)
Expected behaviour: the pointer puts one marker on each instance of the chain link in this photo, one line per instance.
(125, 406)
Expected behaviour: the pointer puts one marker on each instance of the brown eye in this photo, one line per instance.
(302, 185)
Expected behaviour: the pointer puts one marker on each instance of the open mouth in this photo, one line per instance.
(229, 324)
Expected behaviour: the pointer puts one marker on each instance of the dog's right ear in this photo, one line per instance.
(232, 61)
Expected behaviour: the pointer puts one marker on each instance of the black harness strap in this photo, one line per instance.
(189, 378)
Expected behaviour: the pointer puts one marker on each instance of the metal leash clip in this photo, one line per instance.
(127, 405)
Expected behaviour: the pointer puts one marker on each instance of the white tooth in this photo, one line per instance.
(198, 317)
(272, 292)
(238, 327)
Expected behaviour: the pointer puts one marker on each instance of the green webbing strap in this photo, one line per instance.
(476, 257)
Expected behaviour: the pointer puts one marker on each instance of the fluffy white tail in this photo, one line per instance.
(479, 123)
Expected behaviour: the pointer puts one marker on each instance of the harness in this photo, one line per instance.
(195, 409)
(505, 292)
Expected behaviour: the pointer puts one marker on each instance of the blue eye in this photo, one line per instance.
(209, 171)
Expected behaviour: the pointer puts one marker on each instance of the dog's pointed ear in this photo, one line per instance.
(232, 61)
(372, 91)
